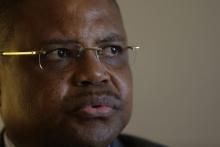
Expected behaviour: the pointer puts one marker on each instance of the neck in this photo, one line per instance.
(9, 143)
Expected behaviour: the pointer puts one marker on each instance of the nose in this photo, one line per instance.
(90, 71)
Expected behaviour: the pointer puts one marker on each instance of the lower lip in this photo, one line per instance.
(95, 112)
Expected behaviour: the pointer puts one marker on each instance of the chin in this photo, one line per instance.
(94, 134)
(87, 131)
(90, 138)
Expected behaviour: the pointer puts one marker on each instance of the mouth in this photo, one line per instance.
(95, 111)
(92, 107)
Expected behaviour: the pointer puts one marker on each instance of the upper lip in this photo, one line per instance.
(77, 102)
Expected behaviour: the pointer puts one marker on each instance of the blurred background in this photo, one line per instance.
(177, 70)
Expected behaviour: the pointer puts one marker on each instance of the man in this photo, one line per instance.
(65, 79)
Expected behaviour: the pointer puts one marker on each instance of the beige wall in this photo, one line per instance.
(177, 73)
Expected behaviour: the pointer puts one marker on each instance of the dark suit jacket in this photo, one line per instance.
(132, 141)
(121, 141)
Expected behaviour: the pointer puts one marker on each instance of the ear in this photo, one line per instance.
(0, 92)
(0, 84)
(2, 67)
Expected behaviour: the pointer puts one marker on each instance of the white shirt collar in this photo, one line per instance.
(7, 141)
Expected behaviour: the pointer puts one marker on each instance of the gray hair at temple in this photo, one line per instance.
(7, 11)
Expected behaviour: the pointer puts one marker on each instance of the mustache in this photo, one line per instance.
(93, 98)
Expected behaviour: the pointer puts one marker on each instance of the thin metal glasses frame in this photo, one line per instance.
(43, 52)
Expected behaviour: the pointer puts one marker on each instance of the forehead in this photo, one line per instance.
(60, 7)
(76, 19)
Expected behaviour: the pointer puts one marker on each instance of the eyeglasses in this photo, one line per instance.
(62, 59)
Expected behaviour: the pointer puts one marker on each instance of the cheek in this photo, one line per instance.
(122, 80)
(16, 96)
(127, 95)
(49, 97)
(31, 98)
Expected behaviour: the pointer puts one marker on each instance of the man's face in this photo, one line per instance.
(87, 105)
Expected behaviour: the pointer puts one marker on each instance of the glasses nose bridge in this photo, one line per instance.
(98, 51)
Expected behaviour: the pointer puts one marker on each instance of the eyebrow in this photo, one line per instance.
(59, 41)
(110, 38)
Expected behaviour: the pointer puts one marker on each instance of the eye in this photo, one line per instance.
(59, 53)
(111, 51)
(62, 52)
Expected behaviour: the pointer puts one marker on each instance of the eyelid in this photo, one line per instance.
(118, 48)
(49, 50)
(56, 46)
(112, 45)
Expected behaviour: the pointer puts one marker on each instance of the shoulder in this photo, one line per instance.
(133, 141)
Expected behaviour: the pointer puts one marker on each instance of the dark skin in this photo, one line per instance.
(42, 108)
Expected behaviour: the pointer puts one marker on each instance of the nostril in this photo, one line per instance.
(85, 83)
(104, 81)
(88, 83)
